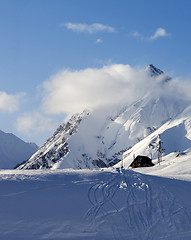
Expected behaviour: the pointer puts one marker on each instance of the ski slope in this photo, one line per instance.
(93, 204)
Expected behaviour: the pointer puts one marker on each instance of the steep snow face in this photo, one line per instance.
(14, 151)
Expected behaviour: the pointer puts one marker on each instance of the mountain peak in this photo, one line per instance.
(156, 72)
(153, 71)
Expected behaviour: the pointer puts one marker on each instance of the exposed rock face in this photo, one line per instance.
(56, 147)
(155, 72)
(141, 161)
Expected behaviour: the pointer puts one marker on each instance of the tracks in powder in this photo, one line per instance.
(134, 208)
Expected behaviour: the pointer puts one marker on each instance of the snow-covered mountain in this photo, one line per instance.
(14, 151)
(98, 138)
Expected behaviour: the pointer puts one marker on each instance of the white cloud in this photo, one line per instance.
(32, 123)
(91, 29)
(137, 34)
(160, 32)
(10, 103)
(73, 91)
(99, 40)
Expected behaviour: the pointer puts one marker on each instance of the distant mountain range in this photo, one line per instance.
(14, 151)
(98, 138)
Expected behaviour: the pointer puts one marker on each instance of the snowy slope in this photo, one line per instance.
(98, 138)
(91, 205)
(14, 151)
(175, 137)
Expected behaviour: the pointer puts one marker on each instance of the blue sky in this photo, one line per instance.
(40, 38)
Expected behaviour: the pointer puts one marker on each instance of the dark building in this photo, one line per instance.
(141, 161)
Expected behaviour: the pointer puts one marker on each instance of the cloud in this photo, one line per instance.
(99, 40)
(10, 103)
(160, 32)
(32, 123)
(91, 29)
(137, 34)
(73, 91)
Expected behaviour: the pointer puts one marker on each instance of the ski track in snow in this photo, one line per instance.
(99, 195)
(144, 212)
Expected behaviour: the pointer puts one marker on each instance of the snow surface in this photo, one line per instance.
(93, 204)
(14, 151)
